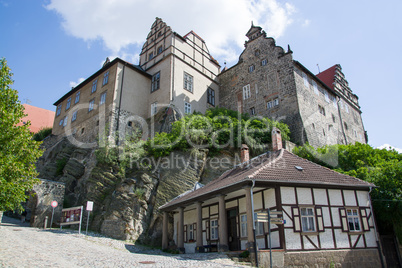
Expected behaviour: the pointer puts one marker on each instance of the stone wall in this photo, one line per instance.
(324, 258)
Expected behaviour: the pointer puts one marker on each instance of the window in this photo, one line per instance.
(307, 219)
(94, 84)
(251, 68)
(188, 82)
(77, 97)
(315, 87)
(65, 121)
(211, 96)
(151, 55)
(214, 229)
(190, 232)
(68, 103)
(353, 220)
(305, 80)
(58, 110)
(259, 226)
(264, 62)
(187, 108)
(246, 92)
(102, 98)
(243, 225)
(74, 117)
(333, 118)
(321, 110)
(154, 108)
(91, 105)
(160, 50)
(270, 105)
(105, 78)
(276, 102)
(61, 122)
(155, 81)
(252, 111)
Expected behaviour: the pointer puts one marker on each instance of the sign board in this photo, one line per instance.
(275, 213)
(71, 216)
(54, 204)
(262, 217)
(277, 222)
(90, 205)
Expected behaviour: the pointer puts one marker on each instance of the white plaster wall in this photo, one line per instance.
(243, 244)
(335, 197)
(326, 239)
(326, 217)
(205, 212)
(190, 216)
(342, 240)
(257, 199)
(350, 199)
(335, 217)
(308, 244)
(261, 242)
(288, 195)
(370, 238)
(304, 196)
(289, 222)
(320, 196)
(292, 239)
(269, 198)
(362, 197)
(214, 209)
(274, 239)
(231, 204)
(242, 205)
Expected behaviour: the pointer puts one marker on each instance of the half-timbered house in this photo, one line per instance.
(324, 212)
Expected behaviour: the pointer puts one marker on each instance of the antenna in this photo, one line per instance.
(318, 66)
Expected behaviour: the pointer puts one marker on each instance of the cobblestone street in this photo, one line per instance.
(23, 246)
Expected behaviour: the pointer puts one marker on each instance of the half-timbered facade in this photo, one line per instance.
(322, 210)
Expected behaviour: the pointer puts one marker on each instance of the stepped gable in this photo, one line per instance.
(279, 167)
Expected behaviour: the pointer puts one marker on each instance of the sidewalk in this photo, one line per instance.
(23, 246)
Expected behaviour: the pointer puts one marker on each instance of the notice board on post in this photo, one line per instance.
(71, 216)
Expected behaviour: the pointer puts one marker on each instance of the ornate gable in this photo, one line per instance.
(254, 32)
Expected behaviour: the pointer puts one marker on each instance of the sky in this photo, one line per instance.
(53, 45)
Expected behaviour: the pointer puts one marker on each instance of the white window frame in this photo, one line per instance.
(102, 98)
(187, 108)
(246, 92)
(188, 82)
(307, 216)
(243, 225)
(105, 78)
(74, 116)
(276, 101)
(214, 229)
(154, 108)
(65, 121)
(251, 68)
(315, 87)
(94, 85)
(270, 105)
(68, 105)
(77, 97)
(190, 232)
(91, 105)
(259, 226)
(156, 78)
(353, 217)
(58, 112)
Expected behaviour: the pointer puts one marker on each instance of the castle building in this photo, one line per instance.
(319, 109)
(178, 73)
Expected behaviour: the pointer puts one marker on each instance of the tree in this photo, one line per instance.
(379, 166)
(18, 151)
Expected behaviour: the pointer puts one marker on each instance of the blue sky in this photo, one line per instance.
(51, 45)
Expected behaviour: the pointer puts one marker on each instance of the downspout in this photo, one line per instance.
(375, 230)
(340, 118)
(118, 114)
(252, 209)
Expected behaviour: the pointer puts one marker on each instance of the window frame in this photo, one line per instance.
(252, 111)
(151, 56)
(259, 226)
(155, 82)
(188, 82)
(214, 230)
(91, 105)
(159, 50)
(310, 220)
(77, 97)
(102, 98)
(211, 96)
(105, 78)
(68, 104)
(243, 225)
(74, 116)
(264, 62)
(65, 121)
(187, 108)
(251, 68)
(246, 92)
(58, 110)
(94, 86)
(353, 217)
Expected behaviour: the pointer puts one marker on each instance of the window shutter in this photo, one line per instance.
(320, 221)
(363, 215)
(195, 231)
(344, 219)
(296, 219)
(185, 233)
(207, 229)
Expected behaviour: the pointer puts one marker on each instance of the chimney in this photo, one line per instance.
(244, 153)
(276, 139)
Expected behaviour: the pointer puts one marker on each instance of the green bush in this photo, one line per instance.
(61, 163)
(42, 134)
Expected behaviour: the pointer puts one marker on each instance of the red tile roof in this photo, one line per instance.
(328, 76)
(280, 167)
(40, 118)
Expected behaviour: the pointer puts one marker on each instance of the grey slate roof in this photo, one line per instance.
(280, 167)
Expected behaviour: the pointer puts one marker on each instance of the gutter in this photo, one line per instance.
(121, 94)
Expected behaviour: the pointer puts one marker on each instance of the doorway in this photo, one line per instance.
(234, 242)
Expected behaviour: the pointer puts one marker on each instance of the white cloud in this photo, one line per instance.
(389, 147)
(74, 84)
(221, 23)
